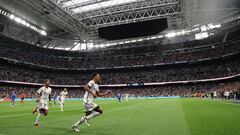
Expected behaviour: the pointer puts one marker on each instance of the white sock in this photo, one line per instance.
(79, 122)
(92, 115)
(61, 105)
(37, 119)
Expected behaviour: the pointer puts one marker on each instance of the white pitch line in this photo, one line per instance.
(16, 115)
(229, 103)
(222, 102)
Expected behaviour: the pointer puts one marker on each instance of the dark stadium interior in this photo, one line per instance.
(132, 30)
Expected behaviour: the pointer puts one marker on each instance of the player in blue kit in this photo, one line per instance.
(119, 96)
(13, 98)
(55, 98)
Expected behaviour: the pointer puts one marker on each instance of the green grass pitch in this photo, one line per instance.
(135, 117)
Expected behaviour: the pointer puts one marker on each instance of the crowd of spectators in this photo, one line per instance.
(205, 90)
(226, 63)
(144, 55)
(180, 72)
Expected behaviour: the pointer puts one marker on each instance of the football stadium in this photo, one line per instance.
(120, 67)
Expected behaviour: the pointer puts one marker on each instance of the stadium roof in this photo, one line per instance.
(84, 17)
(80, 19)
(79, 6)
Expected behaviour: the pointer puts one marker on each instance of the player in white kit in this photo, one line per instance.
(62, 97)
(215, 95)
(43, 95)
(91, 109)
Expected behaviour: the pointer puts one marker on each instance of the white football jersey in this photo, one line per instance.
(214, 93)
(44, 92)
(88, 97)
(63, 94)
(226, 93)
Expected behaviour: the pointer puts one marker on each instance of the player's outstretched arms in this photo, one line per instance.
(103, 94)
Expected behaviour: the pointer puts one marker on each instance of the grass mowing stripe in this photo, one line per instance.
(211, 118)
(222, 101)
(17, 115)
(135, 117)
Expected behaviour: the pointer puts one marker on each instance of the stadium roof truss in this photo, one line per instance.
(57, 16)
(101, 13)
(84, 17)
(89, 15)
